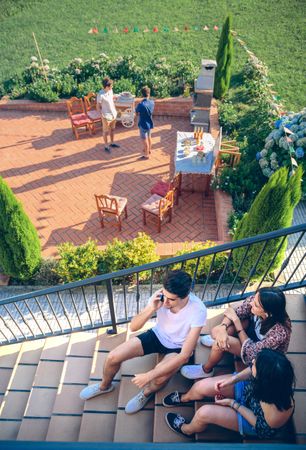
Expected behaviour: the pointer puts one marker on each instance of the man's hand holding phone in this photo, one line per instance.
(157, 300)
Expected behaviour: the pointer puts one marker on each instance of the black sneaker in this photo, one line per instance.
(175, 423)
(107, 149)
(174, 399)
(115, 145)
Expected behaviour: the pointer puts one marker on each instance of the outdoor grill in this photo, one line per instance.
(203, 93)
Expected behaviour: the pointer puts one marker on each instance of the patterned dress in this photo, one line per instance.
(276, 338)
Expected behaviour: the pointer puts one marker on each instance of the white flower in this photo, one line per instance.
(34, 65)
(46, 68)
(78, 60)
(264, 152)
(273, 155)
(33, 58)
(77, 71)
(45, 61)
(103, 55)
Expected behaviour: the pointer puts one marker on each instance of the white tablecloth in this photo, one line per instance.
(189, 163)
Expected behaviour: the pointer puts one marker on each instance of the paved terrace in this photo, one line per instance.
(56, 177)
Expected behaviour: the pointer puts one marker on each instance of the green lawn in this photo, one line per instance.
(274, 30)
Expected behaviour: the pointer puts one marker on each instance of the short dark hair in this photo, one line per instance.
(178, 282)
(107, 82)
(145, 91)
(273, 301)
(274, 381)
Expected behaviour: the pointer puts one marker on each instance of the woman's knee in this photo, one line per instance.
(205, 413)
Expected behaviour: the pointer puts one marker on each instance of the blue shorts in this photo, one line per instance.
(144, 134)
(244, 427)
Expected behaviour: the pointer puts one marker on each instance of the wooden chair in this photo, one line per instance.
(111, 205)
(78, 116)
(90, 101)
(163, 187)
(159, 207)
(228, 155)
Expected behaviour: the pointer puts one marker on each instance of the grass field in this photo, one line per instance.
(274, 30)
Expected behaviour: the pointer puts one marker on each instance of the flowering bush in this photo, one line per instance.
(80, 77)
(285, 146)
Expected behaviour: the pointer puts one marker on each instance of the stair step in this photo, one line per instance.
(8, 357)
(99, 414)
(68, 407)
(39, 408)
(133, 427)
(162, 432)
(19, 388)
(296, 306)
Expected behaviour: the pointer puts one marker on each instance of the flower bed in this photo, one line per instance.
(42, 83)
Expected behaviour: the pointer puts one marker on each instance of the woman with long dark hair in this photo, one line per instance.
(258, 407)
(260, 322)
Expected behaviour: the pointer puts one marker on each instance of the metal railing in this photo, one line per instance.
(112, 299)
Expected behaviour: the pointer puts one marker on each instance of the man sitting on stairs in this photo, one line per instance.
(180, 318)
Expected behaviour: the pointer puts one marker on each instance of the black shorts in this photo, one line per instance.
(151, 344)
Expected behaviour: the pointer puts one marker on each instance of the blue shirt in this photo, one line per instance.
(145, 109)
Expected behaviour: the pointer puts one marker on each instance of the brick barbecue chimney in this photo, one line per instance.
(203, 93)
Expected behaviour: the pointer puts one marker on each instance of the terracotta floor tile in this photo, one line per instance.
(64, 428)
(68, 400)
(33, 430)
(76, 370)
(41, 403)
(48, 373)
(97, 427)
(56, 177)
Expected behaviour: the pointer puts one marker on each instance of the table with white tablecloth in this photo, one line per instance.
(188, 160)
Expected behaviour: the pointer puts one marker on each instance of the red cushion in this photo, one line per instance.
(160, 188)
(80, 119)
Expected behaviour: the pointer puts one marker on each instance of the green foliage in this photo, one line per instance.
(124, 85)
(228, 116)
(41, 91)
(204, 264)
(77, 262)
(20, 252)
(123, 255)
(224, 60)
(271, 210)
(46, 274)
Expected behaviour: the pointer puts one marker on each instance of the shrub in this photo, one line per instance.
(42, 92)
(123, 255)
(46, 274)
(271, 210)
(224, 60)
(124, 85)
(20, 252)
(228, 116)
(77, 262)
(205, 262)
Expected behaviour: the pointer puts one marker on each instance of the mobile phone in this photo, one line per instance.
(161, 297)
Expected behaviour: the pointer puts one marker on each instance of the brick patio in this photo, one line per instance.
(56, 177)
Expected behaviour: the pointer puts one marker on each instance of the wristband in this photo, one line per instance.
(225, 325)
(239, 331)
(239, 404)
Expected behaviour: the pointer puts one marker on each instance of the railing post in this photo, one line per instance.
(110, 296)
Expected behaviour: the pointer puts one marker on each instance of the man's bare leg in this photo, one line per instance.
(123, 352)
(160, 382)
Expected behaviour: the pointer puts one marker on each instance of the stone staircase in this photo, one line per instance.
(40, 382)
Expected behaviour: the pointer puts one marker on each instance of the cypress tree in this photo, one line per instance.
(20, 252)
(271, 210)
(224, 60)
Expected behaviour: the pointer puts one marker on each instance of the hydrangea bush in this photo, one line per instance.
(285, 146)
(43, 82)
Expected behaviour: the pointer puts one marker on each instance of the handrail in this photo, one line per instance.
(89, 304)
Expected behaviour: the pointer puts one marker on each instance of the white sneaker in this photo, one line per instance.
(207, 340)
(137, 403)
(195, 371)
(93, 390)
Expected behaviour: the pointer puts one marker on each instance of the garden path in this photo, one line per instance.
(56, 177)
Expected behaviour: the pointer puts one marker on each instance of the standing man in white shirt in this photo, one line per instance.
(106, 106)
(180, 318)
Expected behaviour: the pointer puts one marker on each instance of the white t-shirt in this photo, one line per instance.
(173, 328)
(106, 102)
